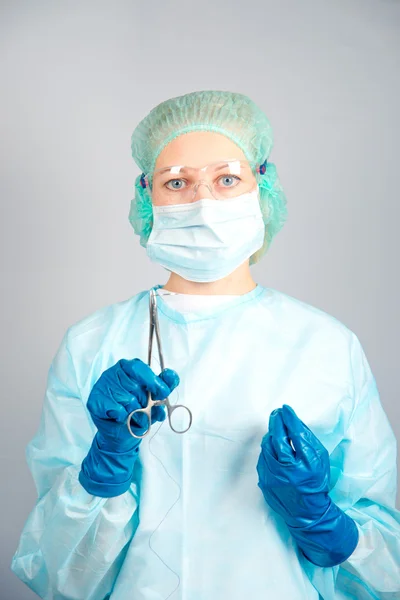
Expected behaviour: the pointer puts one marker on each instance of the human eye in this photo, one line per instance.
(175, 184)
(229, 180)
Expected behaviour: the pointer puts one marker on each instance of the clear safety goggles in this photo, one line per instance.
(224, 179)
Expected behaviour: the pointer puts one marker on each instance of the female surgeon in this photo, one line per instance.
(284, 486)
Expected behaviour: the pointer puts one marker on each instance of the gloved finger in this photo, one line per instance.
(158, 413)
(146, 377)
(267, 448)
(140, 420)
(133, 404)
(118, 413)
(304, 441)
(280, 438)
(116, 377)
(271, 416)
(272, 467)
(128, 386)
(103, 402)
(119, 401)
(171, 378)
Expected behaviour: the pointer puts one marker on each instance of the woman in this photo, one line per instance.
(284, 485)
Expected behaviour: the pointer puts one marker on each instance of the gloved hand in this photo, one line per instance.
(108, 467)
(295, 483)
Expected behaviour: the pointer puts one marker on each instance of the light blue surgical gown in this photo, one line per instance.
(194, 524)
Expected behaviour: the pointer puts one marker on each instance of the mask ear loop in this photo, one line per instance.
(141, 210)
(143, 180)
(262, 168)
(273, 205)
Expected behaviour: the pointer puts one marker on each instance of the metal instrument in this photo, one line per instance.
(171, 408)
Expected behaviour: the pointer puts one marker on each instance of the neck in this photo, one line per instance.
(237, 283)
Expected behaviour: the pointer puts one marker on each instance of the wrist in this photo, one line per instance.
(106, 473)
(330, 540)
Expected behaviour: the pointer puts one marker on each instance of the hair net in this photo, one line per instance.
(231, 114)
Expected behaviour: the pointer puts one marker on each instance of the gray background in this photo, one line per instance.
(77, 77)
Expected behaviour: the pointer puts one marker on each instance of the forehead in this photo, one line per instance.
(198, 148)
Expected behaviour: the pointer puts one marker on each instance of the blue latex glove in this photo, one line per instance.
(108, 467)
(296, 485)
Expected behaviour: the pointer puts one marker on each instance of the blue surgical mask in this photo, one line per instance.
(208, 239)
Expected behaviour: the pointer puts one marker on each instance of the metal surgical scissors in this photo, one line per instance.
(155, 328)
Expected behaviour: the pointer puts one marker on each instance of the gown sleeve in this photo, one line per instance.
(73, 543)
(364, 466)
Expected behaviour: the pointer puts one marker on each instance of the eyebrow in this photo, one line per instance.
(225, 165)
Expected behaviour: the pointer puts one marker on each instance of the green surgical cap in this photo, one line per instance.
(232, 114)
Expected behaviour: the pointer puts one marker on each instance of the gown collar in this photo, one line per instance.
(208, 313)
